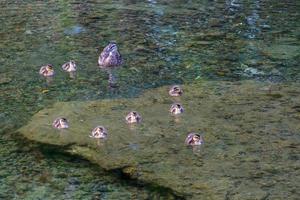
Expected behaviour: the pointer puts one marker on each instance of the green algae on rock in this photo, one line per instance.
(247, 131)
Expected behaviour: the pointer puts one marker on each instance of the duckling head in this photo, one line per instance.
(194, 139)
(60, 123)
(47, 70)
(99, 132)
(133, 117)
(175, 91)
(176, 108)
(69, 66)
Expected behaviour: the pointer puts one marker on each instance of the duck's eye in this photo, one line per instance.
(197, 137)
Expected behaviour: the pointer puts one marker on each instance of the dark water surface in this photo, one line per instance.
(162, 42)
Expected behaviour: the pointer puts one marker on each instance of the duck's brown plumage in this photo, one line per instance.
(110, 56)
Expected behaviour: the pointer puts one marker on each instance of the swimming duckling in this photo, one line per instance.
(133, 117)
(110, 56)
(176, 108)
(99, 132)
(60, 123)
(175, 91)
(194, 139)
(69, 66)
(47, 70)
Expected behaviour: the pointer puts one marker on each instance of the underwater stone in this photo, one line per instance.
(209, 171)
(282, 51)
(4, 79)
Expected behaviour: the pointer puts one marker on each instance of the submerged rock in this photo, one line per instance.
(4, 79)
(282, 51)
(241, 124)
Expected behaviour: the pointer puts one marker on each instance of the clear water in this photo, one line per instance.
(162, 42)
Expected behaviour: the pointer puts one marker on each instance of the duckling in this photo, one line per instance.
(175, 91)
(99, 132)
(69, 66)
(47, 70)
(110, 56)
(194, 139)
(176, 108)
(133, 117)
(60, 123)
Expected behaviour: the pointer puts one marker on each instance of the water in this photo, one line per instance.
(162, 42)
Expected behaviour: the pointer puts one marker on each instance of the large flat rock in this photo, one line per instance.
(251, 138)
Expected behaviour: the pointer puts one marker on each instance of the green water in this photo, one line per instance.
(162, 42)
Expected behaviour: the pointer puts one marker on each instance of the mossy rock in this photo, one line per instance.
(240, 123)
(282, 51)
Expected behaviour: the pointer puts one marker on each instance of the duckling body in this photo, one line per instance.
(133, 117)
(175, 91)
(99, 133)
(47, 70)
(60, 123)
(176, 108)
(69, 66)
(194, 139)
(110, 56)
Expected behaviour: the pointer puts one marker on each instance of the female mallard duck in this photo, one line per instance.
(175, 91)
(69, 66)
(47, 70)
(99, 132)
(60, 123)
(133, 117)
(194, 139)
(110, 56)
(176, 109)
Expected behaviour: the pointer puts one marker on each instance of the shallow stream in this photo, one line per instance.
(162, 42)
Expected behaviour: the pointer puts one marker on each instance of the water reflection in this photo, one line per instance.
(253, 21)
(74, 30)
(233, 5)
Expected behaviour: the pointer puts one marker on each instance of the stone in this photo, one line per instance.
(4, 79)
(240, 124)
(282, 51)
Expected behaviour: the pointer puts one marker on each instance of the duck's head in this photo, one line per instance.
(60, 123)
(99, 132)
(194, 139)
(175, 91)
(133, 117)
(111, 47)
(176, 108)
